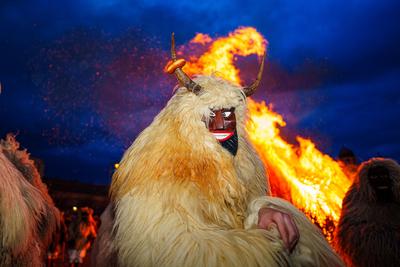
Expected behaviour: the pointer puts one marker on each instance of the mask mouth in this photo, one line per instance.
(222, 136)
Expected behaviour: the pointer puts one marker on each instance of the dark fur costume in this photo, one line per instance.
(103, 252)
(369, 230)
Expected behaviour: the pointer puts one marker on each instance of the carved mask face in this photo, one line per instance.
(222, 124)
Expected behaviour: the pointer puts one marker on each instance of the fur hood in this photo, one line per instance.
(361, 179)
(178, 148)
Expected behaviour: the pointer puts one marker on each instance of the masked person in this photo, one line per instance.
(368, 233)
(191, 191)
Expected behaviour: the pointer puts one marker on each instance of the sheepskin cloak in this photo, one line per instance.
(180, 199)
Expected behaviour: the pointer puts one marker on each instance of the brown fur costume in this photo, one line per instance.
(181, 199)
(28, 217)
(369, 232)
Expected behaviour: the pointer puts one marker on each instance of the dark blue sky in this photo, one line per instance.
(81, 79)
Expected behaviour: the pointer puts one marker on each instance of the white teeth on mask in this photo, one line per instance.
(222, 136)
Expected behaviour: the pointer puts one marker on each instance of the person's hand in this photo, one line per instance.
(286, 226)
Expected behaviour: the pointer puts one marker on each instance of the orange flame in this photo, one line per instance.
(315, 182)
(302, 174)
(219, 58)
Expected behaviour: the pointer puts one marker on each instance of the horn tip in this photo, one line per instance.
(263, 56)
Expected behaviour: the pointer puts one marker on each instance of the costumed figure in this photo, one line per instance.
(81, 233)
(28, 217)
(191, 191)
(56, 250)
(348, 161)
(368, 233)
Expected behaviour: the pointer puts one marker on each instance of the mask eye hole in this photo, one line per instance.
(226, 114)
(212, 114)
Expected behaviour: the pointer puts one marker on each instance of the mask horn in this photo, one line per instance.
(249, 90)
(175, 66)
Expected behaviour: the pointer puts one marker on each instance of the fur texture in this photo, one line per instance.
(369, 232)
(28, 217)
(181, 199)
(103, 252)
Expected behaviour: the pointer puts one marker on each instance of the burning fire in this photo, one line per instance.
(302, 174)
(219, 59)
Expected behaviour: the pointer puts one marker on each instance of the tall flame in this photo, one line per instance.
(311, 180)
(302, 174)
(220, 56)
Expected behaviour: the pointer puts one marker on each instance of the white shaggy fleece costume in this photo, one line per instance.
(181, 199)
(28, 217)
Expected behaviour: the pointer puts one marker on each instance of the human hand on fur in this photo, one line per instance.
(286, 226)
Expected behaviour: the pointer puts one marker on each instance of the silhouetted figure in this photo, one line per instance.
(348, 161)
(368, 234)
(55, 252)
(81, 233)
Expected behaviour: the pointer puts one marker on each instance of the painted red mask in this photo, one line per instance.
(222, 124)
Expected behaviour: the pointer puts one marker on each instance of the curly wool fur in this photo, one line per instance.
(181, 199)
(369, 232)
(28, 217)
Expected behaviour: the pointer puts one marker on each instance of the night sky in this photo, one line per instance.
(81, 79)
